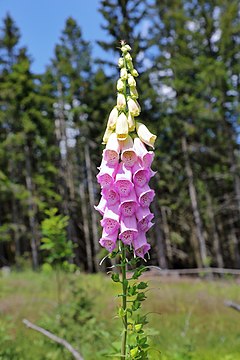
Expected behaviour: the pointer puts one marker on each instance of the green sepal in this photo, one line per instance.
(121, 312)
(142, 285)
(132, 290)
(138, 272)
(134, 352)
(115, 277)
(136, 305)
(141, 296)
(138, 327)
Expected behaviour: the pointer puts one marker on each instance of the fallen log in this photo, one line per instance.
(232, 304)
(54, 338)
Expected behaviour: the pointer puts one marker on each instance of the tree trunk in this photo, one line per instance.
(86, 231)
(160, 243)
(67, 188)
(194, 203)
(214, 232)
(235, 172)
(235, 248)
(195, 245)
(166, 231)
(31, 209)
(15, 216)
(92, 203)
(16, 231)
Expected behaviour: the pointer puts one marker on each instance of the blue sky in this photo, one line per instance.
(41, 22)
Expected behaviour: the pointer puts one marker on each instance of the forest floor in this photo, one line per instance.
(187, 317)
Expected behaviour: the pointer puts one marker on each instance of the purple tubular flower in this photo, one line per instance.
(110, 195)
(129, 230)
(144, 217)
(101, 206)
(145, 156)
(106, 174)
(123, 180)
(141, 176)
(145, 195)
(128, 205)
(141, 247)
(112, 150)
(129, 155)
(145, 224)
(109, 240)
(110, 221)
(143, 212)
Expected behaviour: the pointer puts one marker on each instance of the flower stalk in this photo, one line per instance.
(126, 197)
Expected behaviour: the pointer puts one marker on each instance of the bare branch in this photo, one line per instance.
(232, 305)
(55, 338)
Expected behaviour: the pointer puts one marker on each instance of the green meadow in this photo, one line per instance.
(187, 317)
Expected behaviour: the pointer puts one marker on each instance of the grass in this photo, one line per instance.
(187, 317)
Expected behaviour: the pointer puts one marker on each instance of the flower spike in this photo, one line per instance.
(125, 170)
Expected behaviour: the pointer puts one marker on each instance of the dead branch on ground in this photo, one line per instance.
(54, 338)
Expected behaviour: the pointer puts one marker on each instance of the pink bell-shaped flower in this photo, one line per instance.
(129, 155)
(128, 227)
(109, 240)
(141, 176)
(140, 149)
(140, 244)
(123, 181)
(106, 175)
(144, 217)
(110, 221)
(128, 205)
(112, 150)
(145, 195)
(111, 195)
(101, 206)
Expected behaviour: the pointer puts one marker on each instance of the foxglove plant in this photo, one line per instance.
(124, 175)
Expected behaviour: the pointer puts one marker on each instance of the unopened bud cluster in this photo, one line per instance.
(126, 168)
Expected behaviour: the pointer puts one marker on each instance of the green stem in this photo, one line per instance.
(124, 302)
(125, 84)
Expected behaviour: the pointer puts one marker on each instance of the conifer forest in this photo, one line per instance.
(187, 54)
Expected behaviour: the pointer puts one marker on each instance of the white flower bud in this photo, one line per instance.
(106, 135)
(130, 65)
(128, 57)
(121, 62)
(134, 72)
(112, 119)
(145, 135)
(122, 127)
(123, 74)
(134, 107)
(120, 85)
(121, 102)
(125, 48)
(133, 92)
(131, 122)
(131, 80)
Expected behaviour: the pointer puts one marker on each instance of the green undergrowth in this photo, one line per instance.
(187, 317)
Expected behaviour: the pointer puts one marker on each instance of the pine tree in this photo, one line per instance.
(10, 220)
(191, 67)
(26, 152)
(75, 126)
